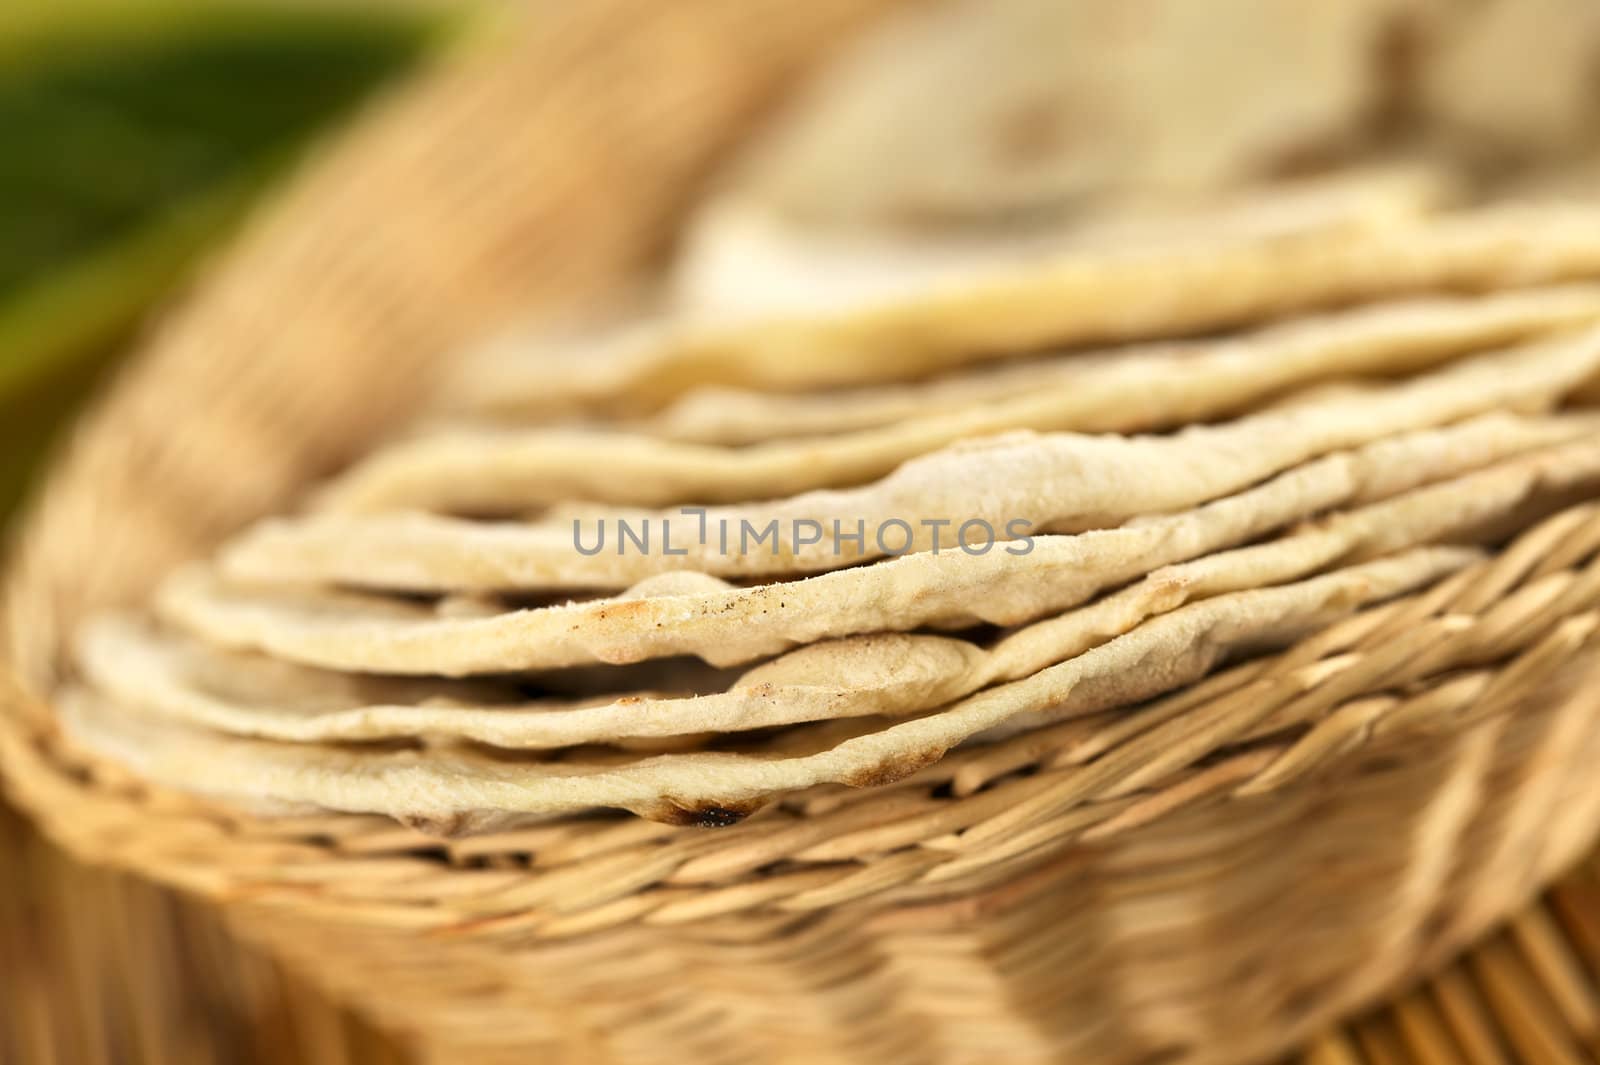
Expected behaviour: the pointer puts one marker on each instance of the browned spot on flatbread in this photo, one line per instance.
(896, 768)
(441, 827)
(701, 815)
(1030, 133)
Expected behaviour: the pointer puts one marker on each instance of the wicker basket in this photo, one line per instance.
(1293, 837)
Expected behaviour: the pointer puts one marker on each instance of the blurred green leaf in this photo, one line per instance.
(135, 135)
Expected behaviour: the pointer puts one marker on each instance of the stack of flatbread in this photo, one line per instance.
(690, 565)
(831, 504)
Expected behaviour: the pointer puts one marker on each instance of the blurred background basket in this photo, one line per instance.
(1230, 907)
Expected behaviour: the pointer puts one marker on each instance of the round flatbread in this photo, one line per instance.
(886, 674)
(688, 613)
(448, 788)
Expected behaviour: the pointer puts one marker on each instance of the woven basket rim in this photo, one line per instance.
(1438, 661)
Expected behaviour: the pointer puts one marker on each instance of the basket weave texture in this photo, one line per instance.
(1208, 880)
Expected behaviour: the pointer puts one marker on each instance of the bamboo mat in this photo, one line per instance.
(1529, 995)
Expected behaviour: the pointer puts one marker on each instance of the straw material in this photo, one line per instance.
(105, 969)
(1408, 729)
(1408, 724)
(1187, 870)
(133, 978)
